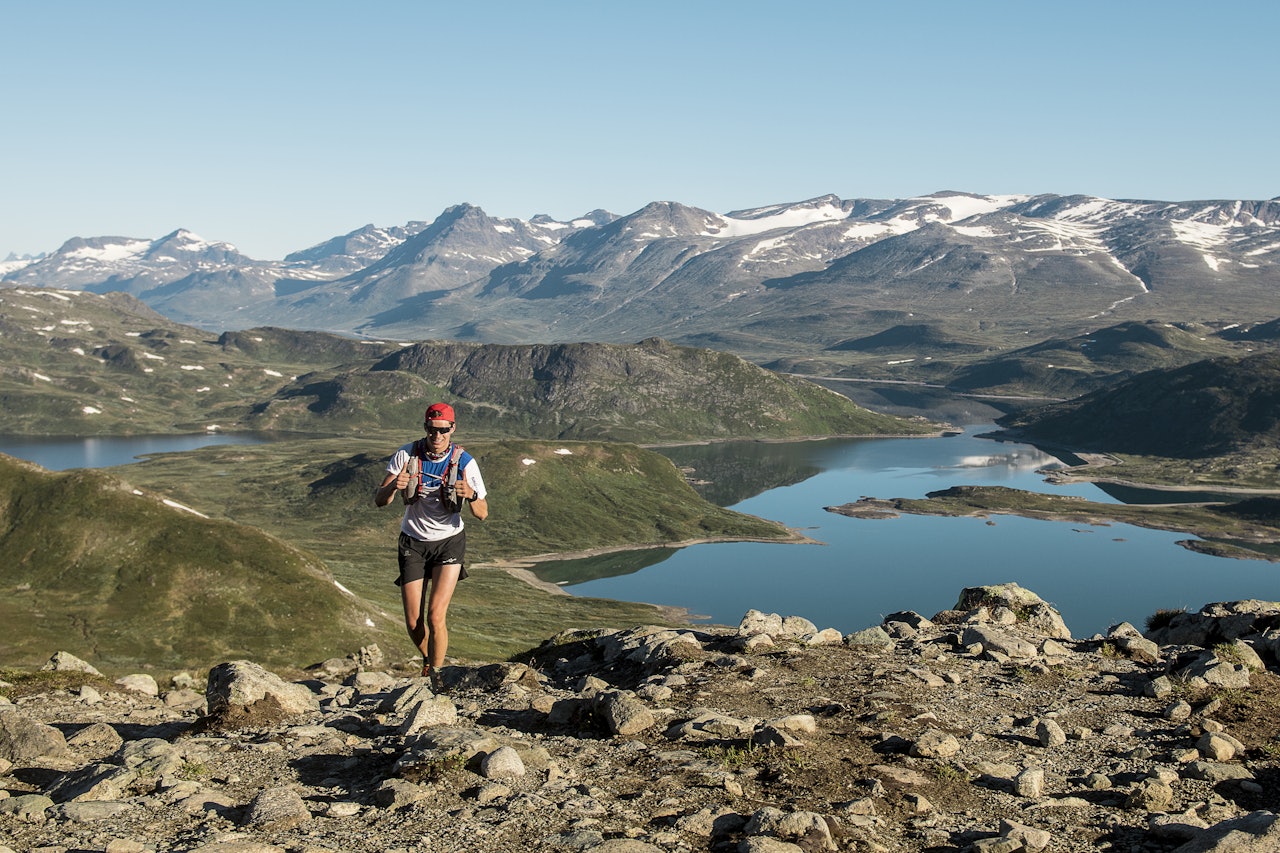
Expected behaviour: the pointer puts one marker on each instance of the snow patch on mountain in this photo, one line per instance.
(979, 231)
(1201, 235)
(109, 252)
(13, 262)
(1065, 235)
(966, 206)
(789, 217)
(872, 231)
(1205, 236)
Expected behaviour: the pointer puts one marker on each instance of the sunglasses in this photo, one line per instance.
(434, 430)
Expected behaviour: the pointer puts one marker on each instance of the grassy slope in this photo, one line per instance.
(94, 568)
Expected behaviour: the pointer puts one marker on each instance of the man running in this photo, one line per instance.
(435, 478)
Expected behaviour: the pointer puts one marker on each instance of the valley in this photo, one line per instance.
(572, 343)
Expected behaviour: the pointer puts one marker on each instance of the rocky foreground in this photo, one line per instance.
(986, 728)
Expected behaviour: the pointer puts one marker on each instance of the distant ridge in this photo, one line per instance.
(77, 363)
(765, 282)
(1068, 367)
(916, 338)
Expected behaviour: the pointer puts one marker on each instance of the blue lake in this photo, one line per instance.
(865, 569)
(60, 454)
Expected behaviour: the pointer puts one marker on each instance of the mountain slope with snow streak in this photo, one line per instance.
(781, 278)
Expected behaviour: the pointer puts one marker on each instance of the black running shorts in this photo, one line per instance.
(418, 558)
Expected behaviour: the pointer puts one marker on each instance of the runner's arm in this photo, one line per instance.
(392, 483)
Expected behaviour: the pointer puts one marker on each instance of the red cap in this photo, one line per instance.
(439, 412)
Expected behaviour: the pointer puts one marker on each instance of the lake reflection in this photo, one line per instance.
(1096, 575)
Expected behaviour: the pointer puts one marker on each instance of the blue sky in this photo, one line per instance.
(277, 125)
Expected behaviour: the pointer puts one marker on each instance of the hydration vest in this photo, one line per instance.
(448, 480)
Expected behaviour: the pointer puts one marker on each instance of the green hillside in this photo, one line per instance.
(652, 392)
(115, 575)
(546, 497)
(1204, 409)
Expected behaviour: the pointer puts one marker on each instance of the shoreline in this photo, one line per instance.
(520, 568)
(1098, 461)
(944, 432)
(1093, 461)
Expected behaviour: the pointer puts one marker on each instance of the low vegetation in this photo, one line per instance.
(109, 572)
(1161, 618)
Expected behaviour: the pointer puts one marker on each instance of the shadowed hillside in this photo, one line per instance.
(1067, 367)
(1209, 408)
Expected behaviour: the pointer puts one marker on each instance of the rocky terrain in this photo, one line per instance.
(985, 728)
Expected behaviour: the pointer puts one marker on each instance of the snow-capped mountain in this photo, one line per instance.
(814, 272)
(14, 262)
(356, 250)
(115, 263)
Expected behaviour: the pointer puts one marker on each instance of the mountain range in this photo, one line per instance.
(810, 277)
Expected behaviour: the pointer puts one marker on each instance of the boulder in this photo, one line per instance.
(756, 622)
(139, 683)
(874, 637)
(24, 740)
(503, 763)
(1009, 595)
(992, 640)
(1258, 832)
(1027, 607)
(65, 661)
(1152, 795)
(429, 712)
(624, 714)
(1137, 648)
(241, 685)
(934, 743)
(276, 810)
